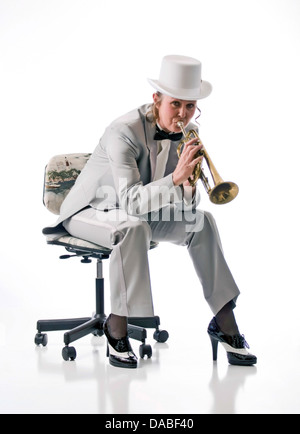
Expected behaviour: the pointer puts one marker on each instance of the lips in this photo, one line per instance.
(176, 123)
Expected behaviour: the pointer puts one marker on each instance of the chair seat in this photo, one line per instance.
(67, 240)
(63, 238)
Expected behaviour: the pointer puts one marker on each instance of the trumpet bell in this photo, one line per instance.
(223, 193)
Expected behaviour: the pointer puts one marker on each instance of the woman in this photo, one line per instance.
(135, 190)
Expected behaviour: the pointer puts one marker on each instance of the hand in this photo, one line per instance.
(187, 162)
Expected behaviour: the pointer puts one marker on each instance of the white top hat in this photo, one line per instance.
(180, 77)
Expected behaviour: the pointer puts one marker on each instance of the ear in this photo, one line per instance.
(155, 98)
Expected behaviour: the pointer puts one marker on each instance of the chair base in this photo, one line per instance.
(80, 327)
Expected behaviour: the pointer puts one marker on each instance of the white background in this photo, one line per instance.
(69, 67)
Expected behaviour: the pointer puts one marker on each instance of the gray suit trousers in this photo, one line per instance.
(129, 238)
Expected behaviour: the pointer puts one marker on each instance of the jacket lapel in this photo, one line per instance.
(151, 145)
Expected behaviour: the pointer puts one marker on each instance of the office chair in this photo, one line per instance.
(60, 175)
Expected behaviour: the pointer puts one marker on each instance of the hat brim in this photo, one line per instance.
(185, 94)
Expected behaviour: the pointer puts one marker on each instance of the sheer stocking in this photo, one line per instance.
(226, 320)
(117, 326)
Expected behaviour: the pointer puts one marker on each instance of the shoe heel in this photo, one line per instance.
(107, 351)
(214, 345)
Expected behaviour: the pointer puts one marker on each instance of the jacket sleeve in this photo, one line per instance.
(189, 202)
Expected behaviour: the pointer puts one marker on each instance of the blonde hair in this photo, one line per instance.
(152, 114)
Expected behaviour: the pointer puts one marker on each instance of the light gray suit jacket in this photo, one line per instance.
(120, 173)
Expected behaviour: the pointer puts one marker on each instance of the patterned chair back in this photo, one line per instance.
(60, 175)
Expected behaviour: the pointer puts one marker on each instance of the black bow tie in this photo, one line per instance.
(161, 135)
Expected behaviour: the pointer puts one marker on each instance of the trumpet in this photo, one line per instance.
(223, 191)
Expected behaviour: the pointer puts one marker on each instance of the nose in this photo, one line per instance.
(182, 112)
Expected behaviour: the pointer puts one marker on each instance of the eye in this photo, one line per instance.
(190, 106)
(175, 103)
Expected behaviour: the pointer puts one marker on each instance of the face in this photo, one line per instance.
(172, 110)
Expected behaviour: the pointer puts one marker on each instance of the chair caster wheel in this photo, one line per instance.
(145, 350)
(41, 339)
(68, 353)
(99, 333)
(161, 335)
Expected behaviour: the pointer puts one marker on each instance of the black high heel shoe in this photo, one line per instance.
(235, 346)
(119, 351)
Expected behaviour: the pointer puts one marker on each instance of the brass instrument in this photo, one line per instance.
(223, 191)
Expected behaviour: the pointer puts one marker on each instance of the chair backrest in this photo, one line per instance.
(60, 175)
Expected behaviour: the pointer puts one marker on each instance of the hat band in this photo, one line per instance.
(179, 92)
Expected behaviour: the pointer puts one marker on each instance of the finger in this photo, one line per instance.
(196, 148)
(194, 151)
(190, 143)
(191, 151)
(196, 160)
(193, 164)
